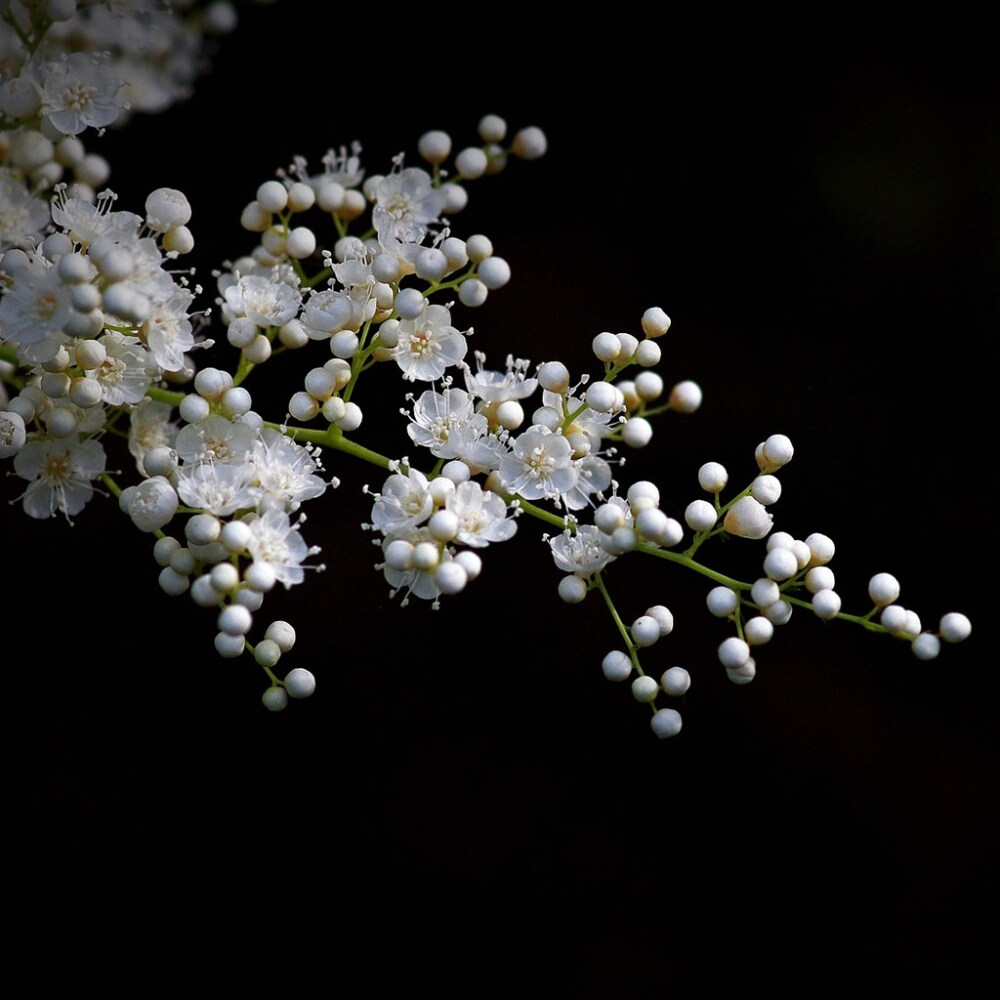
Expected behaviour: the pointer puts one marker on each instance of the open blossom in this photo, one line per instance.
(580, 551)
(405, 501)
(278, 544)
(126, 373)
(428, 345)
(540, 465)
(35, 308)
(406, 202)
(285, 471)
(498, 387)
(215, 439)
(442, 419)
(60, 472)
(482, 515)
(265, 301)
(81, 92)
(168, 332)
(22, 215)
(220, 489)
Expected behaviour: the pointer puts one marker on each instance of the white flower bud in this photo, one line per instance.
(153, 504)
(722, 601)
(883, 589)
(616, 665)
(299, 683)
(748, 518)
(955, 627)
(733, 653)
(926, 646)
(645, 630)
(666, 723)
(826, 604)
(675, 681)
(645, 688)
(655, 322)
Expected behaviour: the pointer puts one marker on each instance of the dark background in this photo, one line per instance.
(467, 807)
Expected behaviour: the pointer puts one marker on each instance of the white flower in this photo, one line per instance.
(35, 307)
(277, 543)
(436, 415)
(81, 92)
(22, 216)
(59, 471)
(168, 332)
(220, 489)
(86, 223)
(498, 387)
(266, 301)
(580, 551)
(482, 515)
(540, 465)
(215, 439)
(428, 345)
(405, 501)
(150, 427)
(285, 470)
(405, 203)
(124, 374)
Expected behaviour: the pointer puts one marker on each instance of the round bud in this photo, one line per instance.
(647, 354)
(894, 619)
(765, 489)
(780, 564)
(492, 128)
(434, 146)
(685, 397)
(494, 272)
(450, 577)
(700, 515)
(955, 627)
(299, 683)
(645, 688)
(675, 681)
(272, 196)
(229, 646)
(529, 143)
(883, 589)
(282, 633)
(616, 665)
(275, 698)
(821, 547)
(472, 293)
(765, 592)
(666, 723)
(645, 630)
(572, 589)
(712, 477)
(553, 376)
(235, 620)
(758, 630)
(637, 433)
(663, 616)
(655, 322)
(733, 652)
(478, 247)
(648, 385)
(820, 578)
(410, 303)
(267, 653)
(926, 646)
(471, 163)
(167, 208)
(722, 601)
(606, 347)
(778, 613)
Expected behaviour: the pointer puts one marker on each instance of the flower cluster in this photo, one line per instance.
(351, 269)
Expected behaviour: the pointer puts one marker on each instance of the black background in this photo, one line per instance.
(467, 807)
